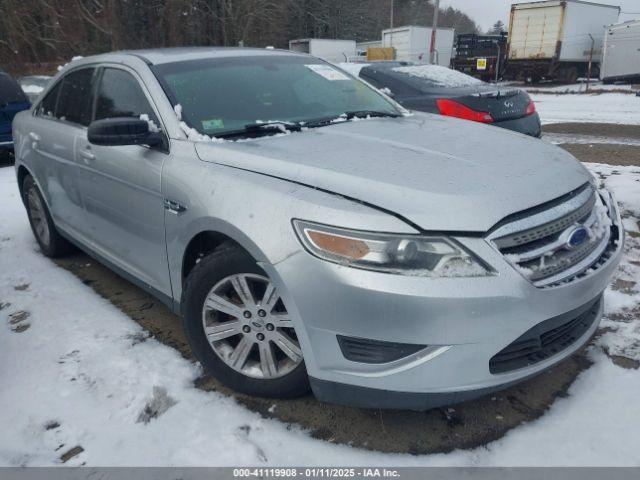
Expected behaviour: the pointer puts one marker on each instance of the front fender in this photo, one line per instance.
(253, 209)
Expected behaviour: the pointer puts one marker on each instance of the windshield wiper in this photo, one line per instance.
(274, 124)
(264, 127)
(369, 113)
(349, 115)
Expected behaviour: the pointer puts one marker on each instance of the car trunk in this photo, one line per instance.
(500, 104)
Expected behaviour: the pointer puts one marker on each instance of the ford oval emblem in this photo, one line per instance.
(577, 237)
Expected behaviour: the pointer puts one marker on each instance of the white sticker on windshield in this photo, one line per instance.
(327, 72)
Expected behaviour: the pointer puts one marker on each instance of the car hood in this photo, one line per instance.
(437, 172)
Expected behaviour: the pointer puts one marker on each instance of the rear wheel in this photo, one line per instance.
(52, 244)
(239, 327)
(570, 75)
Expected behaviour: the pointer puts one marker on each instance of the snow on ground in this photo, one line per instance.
(581, 87)
(76, 373)
(617, 108)
(562, 138)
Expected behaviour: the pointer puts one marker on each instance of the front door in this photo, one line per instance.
(121, 186)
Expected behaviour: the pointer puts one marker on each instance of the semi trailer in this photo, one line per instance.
(621, 55)
(557, 39)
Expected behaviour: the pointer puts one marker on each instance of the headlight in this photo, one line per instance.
(403, 254)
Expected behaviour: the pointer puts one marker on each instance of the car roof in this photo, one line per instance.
(158, 56)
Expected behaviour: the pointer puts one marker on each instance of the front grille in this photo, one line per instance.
(559, 243)
(364, 350)
(545, 339)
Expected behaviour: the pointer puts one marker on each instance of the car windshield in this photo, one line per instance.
(220, 96)
(436, 76)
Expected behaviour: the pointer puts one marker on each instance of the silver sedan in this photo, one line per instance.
(314, 234)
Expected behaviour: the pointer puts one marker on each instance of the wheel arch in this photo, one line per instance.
(22, 174)
(206, 241)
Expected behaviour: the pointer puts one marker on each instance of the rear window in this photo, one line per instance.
(47, 107)
(10, 91)
(437, 76)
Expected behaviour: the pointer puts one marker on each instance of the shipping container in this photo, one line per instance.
(554, 39)
(412, 43)
(621, 55)
(333, 51)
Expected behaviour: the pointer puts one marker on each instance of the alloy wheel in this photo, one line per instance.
(248, 327)
(38, 216)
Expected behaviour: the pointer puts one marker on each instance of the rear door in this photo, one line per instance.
(121, 185)
(535, 30)
(61, 116)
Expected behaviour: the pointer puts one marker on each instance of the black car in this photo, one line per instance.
(437, 89)
(12, 101)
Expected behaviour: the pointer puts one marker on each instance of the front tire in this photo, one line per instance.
(238, 327)
(51, 243)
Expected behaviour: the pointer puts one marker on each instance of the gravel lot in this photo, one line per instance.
(597, 142)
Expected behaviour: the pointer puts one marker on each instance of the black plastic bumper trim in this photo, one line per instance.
(363, 397)
(546, 339)
(365, 350)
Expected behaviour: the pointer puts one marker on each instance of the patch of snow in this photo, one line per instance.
(32, 88)
(75, 378)
(191, 133)
(594, 87)
(442, 76)
(153, 127)
(604, 108)
(177, 108)
(73, 59)
(560, 138)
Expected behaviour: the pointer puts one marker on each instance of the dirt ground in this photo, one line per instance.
(462, 426)
(597, 142)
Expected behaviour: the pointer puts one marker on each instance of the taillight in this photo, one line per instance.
(454, 109)
(531, 108)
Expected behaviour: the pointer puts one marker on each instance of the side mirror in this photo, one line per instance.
(123, 131)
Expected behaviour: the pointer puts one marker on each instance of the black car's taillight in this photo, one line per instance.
(451, 108)
(531, 108)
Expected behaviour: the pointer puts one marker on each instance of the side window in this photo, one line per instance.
(74, 102)
(47, 107)
(120, 95)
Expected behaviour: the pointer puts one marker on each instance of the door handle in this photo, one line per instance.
(87, 155)
(174, 207)
(35, 139)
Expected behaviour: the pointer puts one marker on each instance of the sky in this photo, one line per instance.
(486, 12)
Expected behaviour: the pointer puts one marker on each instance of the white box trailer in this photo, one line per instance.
(621, 54)
(412, 43)
(333, 51)
(552, 39)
